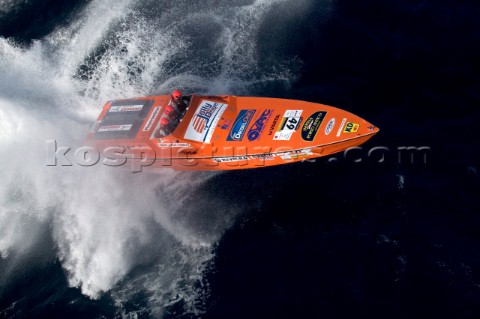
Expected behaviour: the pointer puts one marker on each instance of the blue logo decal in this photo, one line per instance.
(257, 127)
(240, 125)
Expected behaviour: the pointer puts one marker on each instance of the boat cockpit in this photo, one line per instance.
(171, 116)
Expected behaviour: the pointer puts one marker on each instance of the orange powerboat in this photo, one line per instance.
(197, 132)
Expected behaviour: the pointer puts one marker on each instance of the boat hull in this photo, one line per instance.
(224, 132)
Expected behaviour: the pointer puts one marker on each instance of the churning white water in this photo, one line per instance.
(104, 221)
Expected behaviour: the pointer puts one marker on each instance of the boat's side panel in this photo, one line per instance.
(184, 158)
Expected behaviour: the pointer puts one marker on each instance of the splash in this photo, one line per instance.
(8, 5)
(401, 181)
(105, 222)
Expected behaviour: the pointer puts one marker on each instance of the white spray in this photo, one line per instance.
(106, 221)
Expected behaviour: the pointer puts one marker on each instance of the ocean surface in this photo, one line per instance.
(389, 230)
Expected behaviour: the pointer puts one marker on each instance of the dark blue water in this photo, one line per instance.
(343, 237)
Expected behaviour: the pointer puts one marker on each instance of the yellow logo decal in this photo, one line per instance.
(351, 127)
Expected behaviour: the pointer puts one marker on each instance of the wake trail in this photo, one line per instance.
(106, 222)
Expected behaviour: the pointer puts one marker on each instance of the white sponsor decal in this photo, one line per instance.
(283, 136)
(267, 156)
(296, 154)
(173, 145)
(341, 126)
(230, 159)
(204, 121)
(126, 108)
(115, 128)
(151, 119)
(289, 124)
(329, 127)
(292, 113)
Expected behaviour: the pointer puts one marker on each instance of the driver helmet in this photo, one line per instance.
(169, 110)
(176, 94)
(164, 121)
